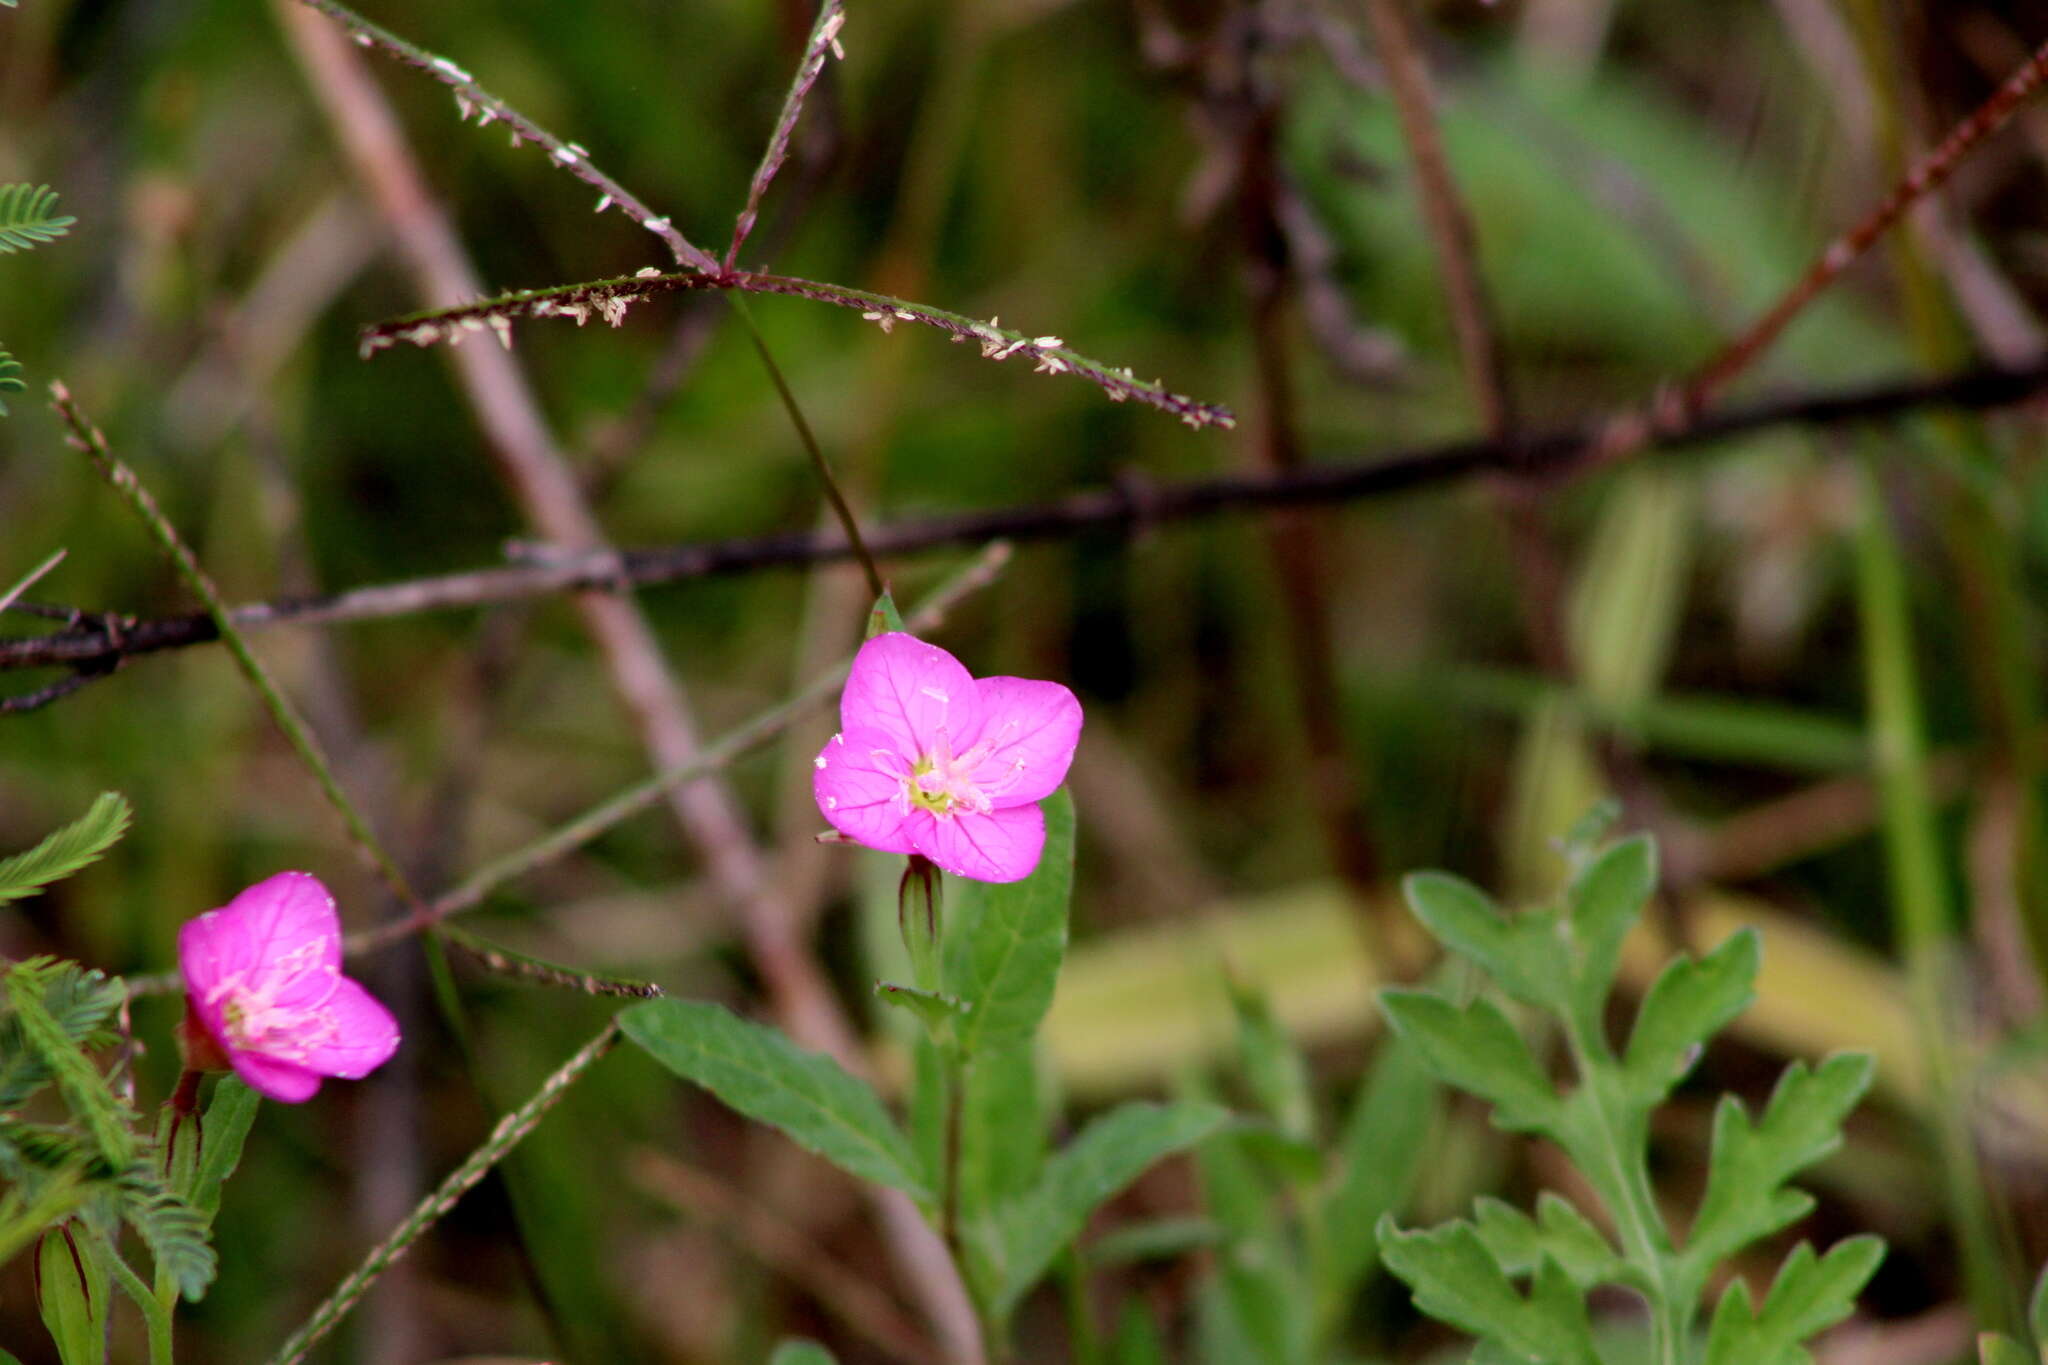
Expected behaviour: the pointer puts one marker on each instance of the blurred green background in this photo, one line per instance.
(1645, 177)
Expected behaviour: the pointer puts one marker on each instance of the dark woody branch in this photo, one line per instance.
(94, 643)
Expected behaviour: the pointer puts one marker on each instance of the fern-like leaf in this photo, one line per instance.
(78, 1001)
(172, 1229)
(65, 852)
(85, 1090)
(10, 377)
(28, 217)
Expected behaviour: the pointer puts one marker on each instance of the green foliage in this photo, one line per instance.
(1562, 961)
(1005, 941)
(883, 616)
(174, 1231)
(28, 217)
(75, 846)
(71, 1291)
(10, 377)
(765, 1076)
(1027, 1232)
(795, 1352)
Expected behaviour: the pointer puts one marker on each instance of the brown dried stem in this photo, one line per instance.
(96, 642)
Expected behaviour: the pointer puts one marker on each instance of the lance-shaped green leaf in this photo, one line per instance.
(1273, 1066)
(1993, 1349)
(1559, 1233)
(1523, 952)
(73, 847)
(1476, 1049)
(1746, 1198)
(227, 1128)
(1002, 1132)
(1385, 1139)
(1605, 900)
(1004, 941)
(72, 1292)
(1811, 1294)
(1688, 1004)
(765, 1076)
(2037, 1309)
(1455, 1279)
(1111, 1152)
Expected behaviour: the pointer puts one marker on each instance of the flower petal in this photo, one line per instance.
(280, 1080)
(355, 1034)
(1001, 846)
(1031, 728)
(917, 694)
(858, 781)
(290, 923)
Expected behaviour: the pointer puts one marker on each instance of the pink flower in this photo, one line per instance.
(932, 760)
(263, 978)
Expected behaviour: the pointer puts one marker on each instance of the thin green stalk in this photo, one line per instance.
(87, 438)
(1624, 1183)
(156, 1318)
(1921, 905)
(823, 467)
(510, 1131)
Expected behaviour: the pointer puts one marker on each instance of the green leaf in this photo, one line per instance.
(1810, 1295)
(1002, 1132)
(43, 1032)
(1455, 1279)
(72, 1292)
(172, 1229)
(1273, 1065)
(65, 852)
(1994, 1349)
(883, 618)
(1476, 1049)
(1137, 1340)
(1745, 1198)
(28, 217)
(227, 1127)
(1559, 1233)
(1385, 1138)
(932, 1008)
(1004, 941)
(1523, 953)
(10, 377)
(1604, 901)
(1158, 1239)
(765, 1076)
(2037, 1309)
(1111, 1152)
(77, 1000)
(800, 1352)
(1687, 1005)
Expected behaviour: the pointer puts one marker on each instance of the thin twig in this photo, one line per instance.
(473, 98)
(511, 1129)
(1450, 223)
(30, 579)
(609, 299)
(87, 438)
(1683, 405)
(93, 642)
(824, 41)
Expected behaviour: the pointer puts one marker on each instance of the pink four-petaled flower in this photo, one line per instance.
(932, 760)
(263, 975)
